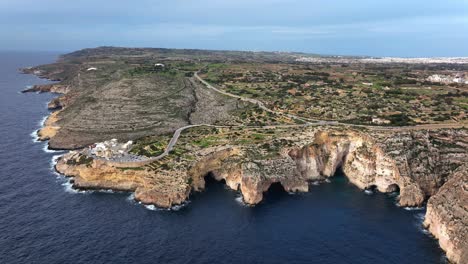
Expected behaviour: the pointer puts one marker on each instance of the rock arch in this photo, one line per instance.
(362, 161)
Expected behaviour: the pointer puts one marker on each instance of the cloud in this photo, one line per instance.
(333, 26)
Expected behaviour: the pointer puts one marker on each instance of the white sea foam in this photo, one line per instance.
(53, 162)
(368, 192)
(34, 136)
(153, 207)
(179, 206)
(40, 124)
(46, 149)
(69, 188)
(240, 200)
(407, 208)
(131, 198)
(43, 120)
(419, 223)
(315, 183)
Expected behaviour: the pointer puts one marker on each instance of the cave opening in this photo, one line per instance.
(275, 192)
(210, 179)
(393, 188)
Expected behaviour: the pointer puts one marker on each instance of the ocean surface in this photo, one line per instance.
(42, 220)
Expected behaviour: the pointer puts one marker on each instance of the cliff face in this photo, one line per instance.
(396, 161)
(362, 161)
(428, 157)
(162, 189)
(315, 156)
(115, 101)
(447, 216)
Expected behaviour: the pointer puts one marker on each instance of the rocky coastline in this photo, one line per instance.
(315, 156)
(422, 165)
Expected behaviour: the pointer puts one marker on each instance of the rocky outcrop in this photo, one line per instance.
(48, 88)
(161, 189)
(363, 162)
(447, 216)
(50, 128)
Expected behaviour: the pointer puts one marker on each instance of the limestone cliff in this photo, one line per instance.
(362, 161)
(368, 161)
(446, 216)
(315, 155)
(162, 189)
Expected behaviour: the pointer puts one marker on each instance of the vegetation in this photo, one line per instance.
(356, 93)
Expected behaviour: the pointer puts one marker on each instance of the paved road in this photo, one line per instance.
(329, 122)
(307, 122)
(254, 101)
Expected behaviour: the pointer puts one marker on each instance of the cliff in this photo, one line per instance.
(447, 216)
(312, 155)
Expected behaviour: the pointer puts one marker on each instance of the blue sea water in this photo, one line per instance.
(43, 221)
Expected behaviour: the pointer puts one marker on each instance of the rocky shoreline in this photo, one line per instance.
(427, 165)
(316, 156)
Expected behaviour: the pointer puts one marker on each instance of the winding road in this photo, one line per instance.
(307, 122)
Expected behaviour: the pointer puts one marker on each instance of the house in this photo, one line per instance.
(380, 121)
(92, 69)
(159, 65)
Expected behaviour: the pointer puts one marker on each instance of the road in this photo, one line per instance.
(257, 102)
(329, 122)
(307, 122)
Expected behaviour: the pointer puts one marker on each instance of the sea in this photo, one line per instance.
(43, 220)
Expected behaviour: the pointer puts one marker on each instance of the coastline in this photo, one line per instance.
(155, 196)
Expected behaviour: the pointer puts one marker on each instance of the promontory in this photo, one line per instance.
(157, 122)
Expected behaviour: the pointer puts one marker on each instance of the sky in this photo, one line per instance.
(405, 28)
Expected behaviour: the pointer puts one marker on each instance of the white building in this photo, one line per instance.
(111, 148)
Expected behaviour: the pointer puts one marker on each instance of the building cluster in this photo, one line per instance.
(110, 149)
(448, 79)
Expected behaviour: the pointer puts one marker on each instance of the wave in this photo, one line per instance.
(153, 207)
(179, 206)
(69, 188)
(419, 223)
(42, 121)
(40, 125)
(368, 192)
(407, 208)
(131, 198)
(240, 200)
(53, 162)
(46, 149)
(34, 136)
